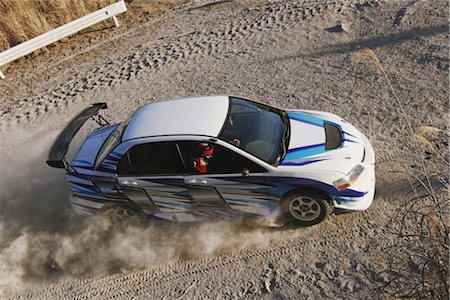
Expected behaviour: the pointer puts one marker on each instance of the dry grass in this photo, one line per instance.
(419, 267)
(21, 20)
(24, 19)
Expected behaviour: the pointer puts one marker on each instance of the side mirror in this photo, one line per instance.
(245, 172)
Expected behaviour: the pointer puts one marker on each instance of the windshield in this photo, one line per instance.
(261, 130)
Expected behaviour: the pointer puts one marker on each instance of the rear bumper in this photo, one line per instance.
(365, 184)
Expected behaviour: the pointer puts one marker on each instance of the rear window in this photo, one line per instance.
(149, 159)
(114, 139)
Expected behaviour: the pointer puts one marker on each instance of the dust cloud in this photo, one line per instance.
(41, 238)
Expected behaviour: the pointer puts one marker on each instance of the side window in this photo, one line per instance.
(149, 159)
(209, 158)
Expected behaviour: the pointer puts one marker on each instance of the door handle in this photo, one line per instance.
(198, 181)
(128, 182)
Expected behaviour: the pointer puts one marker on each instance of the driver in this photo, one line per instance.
(200, 163)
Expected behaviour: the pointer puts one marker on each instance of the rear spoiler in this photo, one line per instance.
(57, 153)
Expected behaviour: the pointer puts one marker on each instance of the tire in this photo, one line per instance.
(304, 209)
(124, 215)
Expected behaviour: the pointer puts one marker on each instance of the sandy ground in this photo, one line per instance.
(294, 54)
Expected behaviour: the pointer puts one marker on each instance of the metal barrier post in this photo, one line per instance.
(115, 21)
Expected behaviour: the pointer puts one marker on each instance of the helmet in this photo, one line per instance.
(206, 149)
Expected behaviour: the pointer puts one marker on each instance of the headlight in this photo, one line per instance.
(349, 179)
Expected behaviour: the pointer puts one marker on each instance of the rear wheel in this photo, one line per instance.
(304, 208)
(123, 215)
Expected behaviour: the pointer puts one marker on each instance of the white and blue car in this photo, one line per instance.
(221, 157)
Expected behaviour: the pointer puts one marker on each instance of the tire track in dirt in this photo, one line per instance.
(193, 46)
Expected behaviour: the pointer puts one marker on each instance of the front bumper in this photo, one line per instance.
(365, 183)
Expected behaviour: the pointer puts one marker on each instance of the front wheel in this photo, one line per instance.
(304, 209)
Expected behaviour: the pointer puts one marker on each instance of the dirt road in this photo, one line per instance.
(293, 54)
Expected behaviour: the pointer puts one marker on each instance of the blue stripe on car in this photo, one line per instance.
(282, 185)
(82, 190)
(80, 161)
(305, 147)
(293, 155)
(84, 185)
(302, 163)
(304, 118)
(345, 132)
(301, 152)
(94, 199)
(350, 141)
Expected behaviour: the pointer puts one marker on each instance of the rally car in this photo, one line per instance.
(220, 157)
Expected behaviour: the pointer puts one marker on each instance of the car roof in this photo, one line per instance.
(189, 116)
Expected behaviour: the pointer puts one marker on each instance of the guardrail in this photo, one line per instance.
(63, 31)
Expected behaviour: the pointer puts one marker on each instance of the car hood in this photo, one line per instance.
(312, 147)
(86, 155)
